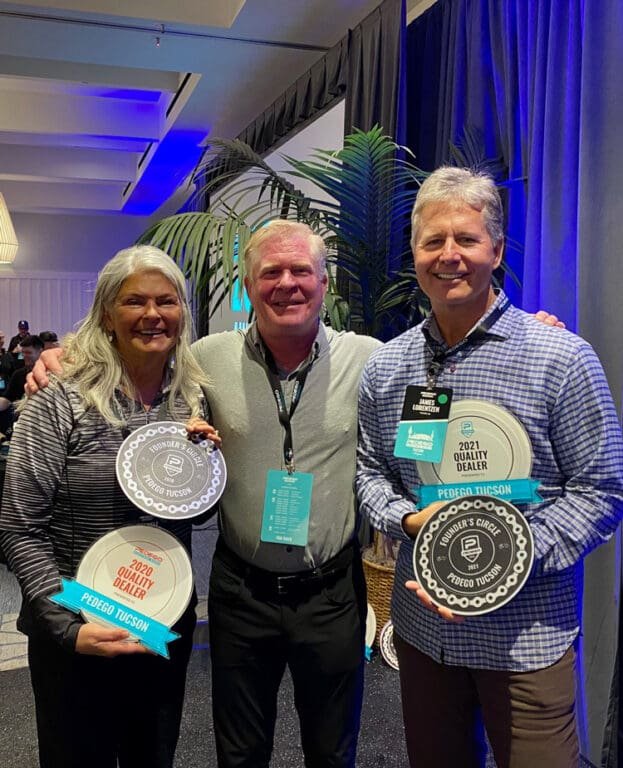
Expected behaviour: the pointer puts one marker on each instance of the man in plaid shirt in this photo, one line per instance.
(516, 664)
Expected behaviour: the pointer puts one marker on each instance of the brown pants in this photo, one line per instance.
(529, 716)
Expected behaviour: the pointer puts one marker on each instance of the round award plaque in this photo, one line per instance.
(166, 475)
(484, 442)
(142, 567)
(386, 643)
(370, 626)
(473, 554)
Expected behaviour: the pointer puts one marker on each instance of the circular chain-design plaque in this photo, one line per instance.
(474, 554)
(167, 475)
(386, 644)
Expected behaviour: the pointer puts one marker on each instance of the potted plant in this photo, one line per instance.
(368, 189)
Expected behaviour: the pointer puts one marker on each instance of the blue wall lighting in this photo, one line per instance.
(174, 159)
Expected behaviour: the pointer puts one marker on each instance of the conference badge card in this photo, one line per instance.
(423, 424)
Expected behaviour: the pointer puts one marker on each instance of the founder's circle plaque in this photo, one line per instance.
(167, 475)
(473, 554)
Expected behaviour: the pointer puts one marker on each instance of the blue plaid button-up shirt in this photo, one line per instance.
(552, 381)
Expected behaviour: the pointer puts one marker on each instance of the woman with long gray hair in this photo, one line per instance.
(100, 700)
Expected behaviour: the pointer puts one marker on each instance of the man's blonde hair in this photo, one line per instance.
(284, 229)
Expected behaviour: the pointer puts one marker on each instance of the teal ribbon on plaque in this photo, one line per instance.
(152, 634)
(522, 490)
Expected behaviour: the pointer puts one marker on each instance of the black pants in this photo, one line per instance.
(319, 635)
(93, 711)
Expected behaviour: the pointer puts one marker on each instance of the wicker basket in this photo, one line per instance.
(380, 582)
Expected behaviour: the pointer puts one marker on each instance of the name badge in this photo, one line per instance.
(423, 424)
(287, 504)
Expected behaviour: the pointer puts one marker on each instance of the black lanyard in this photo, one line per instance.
(476, 334)
(285, 415)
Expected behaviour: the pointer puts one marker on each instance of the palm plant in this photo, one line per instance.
(361, 208)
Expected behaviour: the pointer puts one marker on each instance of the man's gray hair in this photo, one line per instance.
(448, 184)
(284, 229)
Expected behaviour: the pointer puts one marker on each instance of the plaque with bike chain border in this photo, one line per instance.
(167, 475)
(386, 644)
(473, 555)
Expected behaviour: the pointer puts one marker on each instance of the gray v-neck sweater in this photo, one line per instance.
(324, 429)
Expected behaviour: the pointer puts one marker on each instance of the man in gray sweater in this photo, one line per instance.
(287, 585)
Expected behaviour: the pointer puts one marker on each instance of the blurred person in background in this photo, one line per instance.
(6, 370)
(14, 344)
(6, 364)
(30, 348)
(49, 339)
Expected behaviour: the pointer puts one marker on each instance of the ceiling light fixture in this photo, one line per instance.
(8, 238)
(158, 36)
(200, 35)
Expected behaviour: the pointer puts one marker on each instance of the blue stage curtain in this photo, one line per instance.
(542, 81)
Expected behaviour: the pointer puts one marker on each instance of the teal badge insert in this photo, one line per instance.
(287, 504)
(424, 423)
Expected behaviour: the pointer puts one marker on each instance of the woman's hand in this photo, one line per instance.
(548, 319)
(95, 640)
(199, 429)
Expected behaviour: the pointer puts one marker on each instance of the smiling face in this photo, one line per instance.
(286, 288)
(146, 317)
(455, 258)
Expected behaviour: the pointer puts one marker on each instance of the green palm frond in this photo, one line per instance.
(361, 206)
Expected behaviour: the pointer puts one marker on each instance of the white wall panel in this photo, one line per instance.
(49, 301)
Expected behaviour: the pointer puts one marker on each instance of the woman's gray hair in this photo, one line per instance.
(279, 229)
(448, 184)
(91, 359)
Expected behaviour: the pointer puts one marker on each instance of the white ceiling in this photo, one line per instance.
(101, 111)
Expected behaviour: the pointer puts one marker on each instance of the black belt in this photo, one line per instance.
(277, 584)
